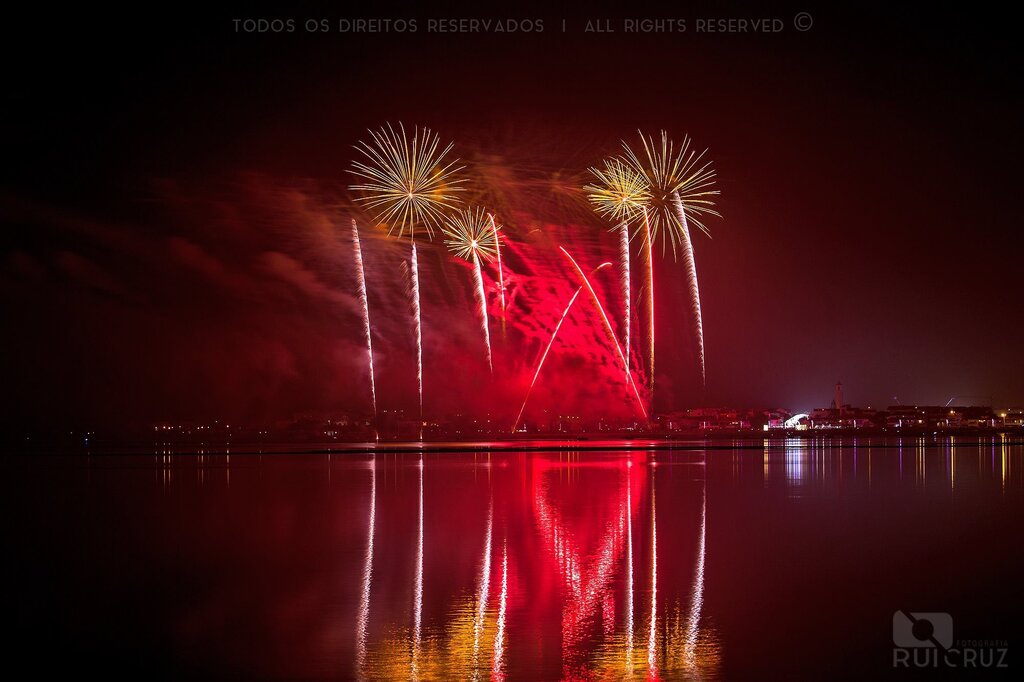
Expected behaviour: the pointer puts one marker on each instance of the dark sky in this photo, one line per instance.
(175, 222)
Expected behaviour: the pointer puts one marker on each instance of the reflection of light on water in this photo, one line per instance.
(1004, 463)
(629, 566)
(485, 579)
(697, 599)
(952, 463)
(766, 450)
(364, 599)
(418, 590)
(796, 459)
(498, 669)
(652, 669)
(598, 631)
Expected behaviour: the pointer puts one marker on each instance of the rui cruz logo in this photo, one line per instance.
(911, 630)
(925, 640)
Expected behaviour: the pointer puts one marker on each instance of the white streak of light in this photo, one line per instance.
(366, 310)
(691, 274)
(364, 600)
(497, 672)
(481, 296)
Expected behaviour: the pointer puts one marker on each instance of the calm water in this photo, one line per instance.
(780, 561)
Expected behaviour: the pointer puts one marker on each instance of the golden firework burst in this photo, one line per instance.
(468, 232)
(407, 184)
(677, 179)
(620, 193)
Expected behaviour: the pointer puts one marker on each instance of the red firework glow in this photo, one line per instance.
(544, 355)
(607, 326)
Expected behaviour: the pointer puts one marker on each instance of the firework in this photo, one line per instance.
(471, 234)
(681, 184)
(622, 194)
(414, 268)
(406, 182)
(551, 341)
(672, 173)
(366, 311)
(607, 325)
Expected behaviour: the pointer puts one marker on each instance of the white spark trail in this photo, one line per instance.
(497, 251)
(624, 260)
(649, 252)
(417, 323)
(366, 310)
(481, 296)
(691, 274)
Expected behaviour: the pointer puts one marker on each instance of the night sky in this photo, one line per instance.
(175, 214)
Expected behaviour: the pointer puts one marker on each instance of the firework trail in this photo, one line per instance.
(366, 310)
(481, 297)
(649, 249)
(607, 325)
(468, 236)
(551, 341)
(626, 294)
(497, 253)
(417, 323)
(691, 274)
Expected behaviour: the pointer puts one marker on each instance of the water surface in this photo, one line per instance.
(781, 559)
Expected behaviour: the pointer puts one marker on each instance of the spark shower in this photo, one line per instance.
(410, 187)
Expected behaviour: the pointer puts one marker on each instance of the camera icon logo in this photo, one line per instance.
(922, 630)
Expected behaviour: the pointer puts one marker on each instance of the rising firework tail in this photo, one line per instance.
(361, 275)
(414, 277)
(626, 279)
(691, 275)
